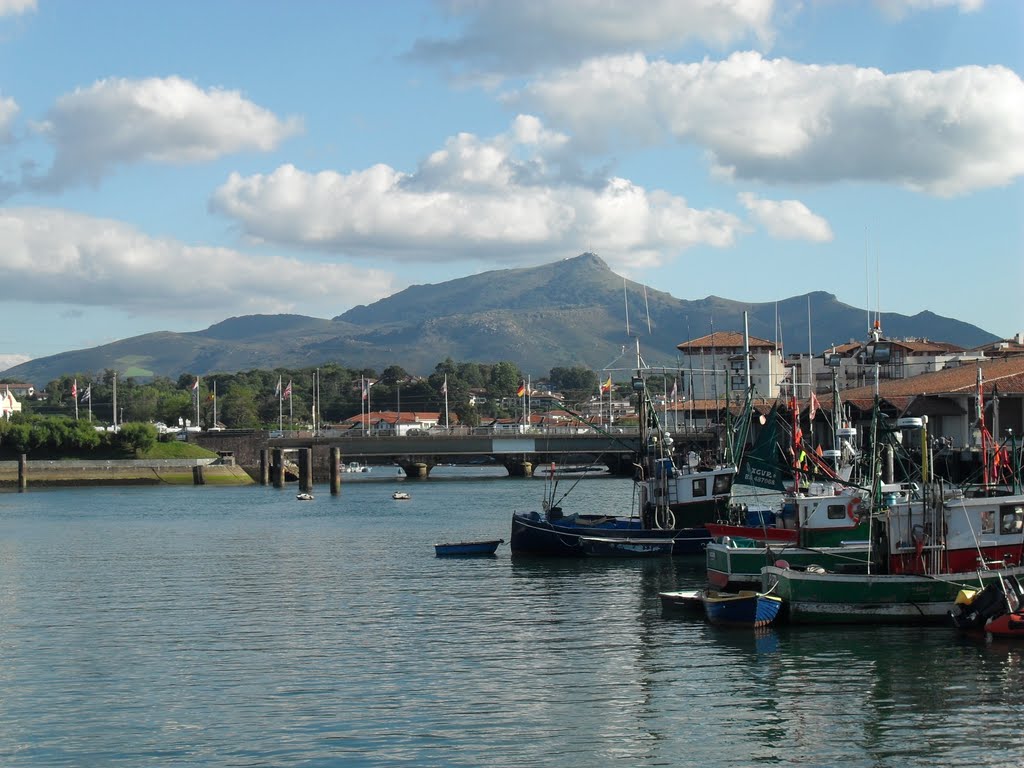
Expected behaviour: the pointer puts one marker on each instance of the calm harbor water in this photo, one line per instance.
(240, 627)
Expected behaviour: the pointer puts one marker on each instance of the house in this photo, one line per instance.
(713, 366)
(395, 423)
(20, 389)
(8, 403)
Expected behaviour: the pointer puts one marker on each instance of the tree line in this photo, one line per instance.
(251, 399)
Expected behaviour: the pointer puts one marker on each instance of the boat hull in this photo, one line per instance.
(468, 548)
(533, 534)
(742, 609)
(837, 598)
(739, 567)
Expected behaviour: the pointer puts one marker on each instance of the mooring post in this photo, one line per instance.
(335, 462)
(22, 472)
(198, 476)
(264, 468)
(306, 470)
(278, 468)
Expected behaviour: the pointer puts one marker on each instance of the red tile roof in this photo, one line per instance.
(725, 340)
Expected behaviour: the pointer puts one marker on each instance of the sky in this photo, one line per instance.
(168, 166)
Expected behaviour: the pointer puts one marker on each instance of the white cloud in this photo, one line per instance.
(8, 111)
(898, 9)
(14, 7)
(11, 360)
(507, 198)
(513, 37)
(777, 120)
(117, 122)
(787, 219)
(60, 257)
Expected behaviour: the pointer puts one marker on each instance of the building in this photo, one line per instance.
(713, 367)
(9, 405)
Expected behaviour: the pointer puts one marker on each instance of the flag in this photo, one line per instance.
(87, 395)
(607, 386)
(74, 390)
(814, 406)
(195, 386)
(522, 389)
(288, 390)
(366, 388)
(675, 391)
(444, 387)
(277, 389)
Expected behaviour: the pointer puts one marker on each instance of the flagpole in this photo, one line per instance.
(446, 401)
(280, 404)
(197, 401)
(74, 396)
(114, 420)
(215, 402)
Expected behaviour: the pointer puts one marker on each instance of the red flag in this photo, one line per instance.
(607, 386)
(288, 390)
(814, 406)
(74, 389)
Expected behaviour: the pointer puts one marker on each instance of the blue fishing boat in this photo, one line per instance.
(468, 548)
(740, 609)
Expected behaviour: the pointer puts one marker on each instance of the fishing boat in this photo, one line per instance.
(673, 502)
(401, 495)
(923, 550)
(304, 496)
(996, 611)
(468, 548)
(746, 608)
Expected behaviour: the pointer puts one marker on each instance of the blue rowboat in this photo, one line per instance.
(468, 548)
(740, 609)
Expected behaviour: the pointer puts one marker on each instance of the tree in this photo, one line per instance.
(135, 437)
(237, 409)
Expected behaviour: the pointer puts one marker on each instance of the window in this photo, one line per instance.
(723, 484)
(988, 521)
(700, 487)
(1011, 520)
(836, 511)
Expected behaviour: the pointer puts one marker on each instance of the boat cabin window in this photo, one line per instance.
(988, 521)
(723, 484)
(700, 487)
(836, 511)
(1011, 519)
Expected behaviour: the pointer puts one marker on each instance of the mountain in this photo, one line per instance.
(568, 313)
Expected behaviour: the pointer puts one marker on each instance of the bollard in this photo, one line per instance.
(22, 472)
(264, 468)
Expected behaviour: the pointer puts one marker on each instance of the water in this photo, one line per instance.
(240, 627)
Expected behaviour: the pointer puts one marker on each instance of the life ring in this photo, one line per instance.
(851, 509)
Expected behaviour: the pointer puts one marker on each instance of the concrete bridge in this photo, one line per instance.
(417, 455)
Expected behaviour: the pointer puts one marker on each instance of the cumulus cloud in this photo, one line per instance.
(944, 133)
(503, 37)
(15, 7)
(497, 199)
(60, 257)
(787, 219)
(116, 122)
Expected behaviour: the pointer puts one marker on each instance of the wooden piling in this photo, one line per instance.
(335, 462)
(264, 468)
(278, 468)
(22, 472)
(306, 470)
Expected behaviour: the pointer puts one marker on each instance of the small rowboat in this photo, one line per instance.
(401, 495)
(741, 609)
(690, 601)
(468, 548)
(304, 496)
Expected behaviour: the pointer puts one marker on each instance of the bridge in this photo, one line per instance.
(418, 454)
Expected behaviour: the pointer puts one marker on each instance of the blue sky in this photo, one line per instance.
(165, 167)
